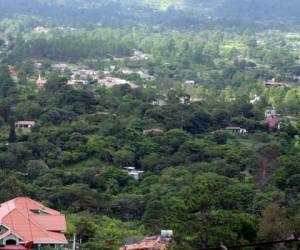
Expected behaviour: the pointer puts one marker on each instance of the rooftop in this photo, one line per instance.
(152, 243)
(32, 221)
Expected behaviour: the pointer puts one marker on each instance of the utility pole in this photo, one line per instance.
(74, 242)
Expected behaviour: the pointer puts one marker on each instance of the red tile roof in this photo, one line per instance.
(19, 216)
(272, 121)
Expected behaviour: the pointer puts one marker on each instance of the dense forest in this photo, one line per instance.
(206, 110)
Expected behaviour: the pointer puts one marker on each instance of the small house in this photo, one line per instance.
(60, 66)
(237, 130)
(153, 131)
(139, 55)
(196, 99)
(273, 84)
(73, 82)
(184, 99)
(191, 83)
(255, 99)
(272, 122)
(270, 113)
(24, 124)
(159, 102)
(132, 171)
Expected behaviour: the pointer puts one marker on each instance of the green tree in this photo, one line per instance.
(274, 223)
(11, 188)
(85, 229)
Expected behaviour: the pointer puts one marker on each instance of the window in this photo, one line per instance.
(38, 211)
(11, 242)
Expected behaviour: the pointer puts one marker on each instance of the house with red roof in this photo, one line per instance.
(271, 119)
(272, 122)
(26, 224)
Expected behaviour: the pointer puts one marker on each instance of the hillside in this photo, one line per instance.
(153, 12)
(136, 116)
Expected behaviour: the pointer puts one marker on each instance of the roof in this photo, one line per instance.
(25, 122)
(272, 121)
(32, 221)
(154, 130)
(151, 243)
(273, 83)
(113, 81)
(13, 247)
(233, 128)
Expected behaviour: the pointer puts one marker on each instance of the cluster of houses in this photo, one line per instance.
(82, 76)
(271, 120)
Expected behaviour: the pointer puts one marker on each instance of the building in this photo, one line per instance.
(270, 113)
(271, 119)
(61, 66)
(110, 82)
(237, 130)
(255, 99)
(191, 83)
(136, 174)
(127, 71)
(40, 29)
(40, 82)
(139, 55)
(24, 124)
(161, 242)
(72, 82)
(184, 99)
(145, 75)
(273, 84)
(153, 131)
(159, 102)
(25, 222)
(12, 71)
(272, 122)
(196, 99)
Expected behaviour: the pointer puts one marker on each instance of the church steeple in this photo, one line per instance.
(40, 82)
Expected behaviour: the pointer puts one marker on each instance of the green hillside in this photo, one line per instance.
(153, 12)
